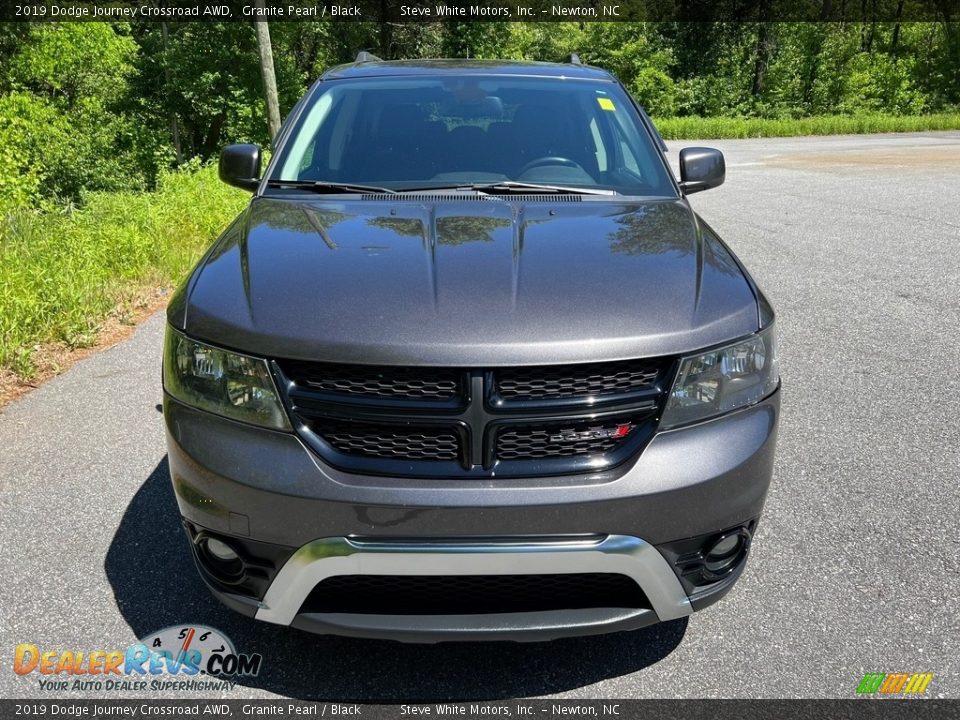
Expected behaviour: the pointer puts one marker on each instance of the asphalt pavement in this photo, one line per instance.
(855, 567)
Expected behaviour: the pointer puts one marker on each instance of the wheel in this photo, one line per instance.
(550, 160)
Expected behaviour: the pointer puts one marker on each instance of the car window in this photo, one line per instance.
(439, 131)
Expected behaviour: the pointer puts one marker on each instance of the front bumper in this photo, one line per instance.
(328, 557)
(258, 485)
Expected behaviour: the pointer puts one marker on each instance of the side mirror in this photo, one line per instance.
(240, 166)
(701, 168)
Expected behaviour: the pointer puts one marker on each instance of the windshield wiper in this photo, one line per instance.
(511, 186)
(323, 186)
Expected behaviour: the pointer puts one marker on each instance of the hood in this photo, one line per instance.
(467, 282)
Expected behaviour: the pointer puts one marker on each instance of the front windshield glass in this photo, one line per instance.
(432, 132)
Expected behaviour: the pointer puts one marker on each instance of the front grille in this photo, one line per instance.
(472, 423)
(472, 594)
(575, 381)
(387, 441)
(378, 382)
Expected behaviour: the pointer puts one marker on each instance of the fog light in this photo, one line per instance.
(221, 560)
(725, 546)
(221, 551)
(726, 551)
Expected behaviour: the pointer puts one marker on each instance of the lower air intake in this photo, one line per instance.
(472, 594)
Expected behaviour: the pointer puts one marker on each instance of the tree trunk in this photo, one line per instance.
(212, 141)
(269, 77)
(813, 65)
(386, 30)
(762, 55)
(873, 26)
(896, 31)
(174, 125)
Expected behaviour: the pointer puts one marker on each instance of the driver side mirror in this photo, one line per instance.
(701, 168)
(240, 166)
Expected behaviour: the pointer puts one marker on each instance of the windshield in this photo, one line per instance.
(432, 132)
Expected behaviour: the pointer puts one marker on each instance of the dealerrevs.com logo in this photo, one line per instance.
(894, 683)
(173, 658)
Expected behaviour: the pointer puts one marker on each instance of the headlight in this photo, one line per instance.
(235, 386)
(721, 380)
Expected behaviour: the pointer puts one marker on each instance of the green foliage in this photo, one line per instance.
(73, 60)
(63, 122)
(473, 39)
(783, 70)
(628, 50)
(701, 128)
(722, 86)
(62, 273)
(20, 175)
(207, 76)
(547, 41)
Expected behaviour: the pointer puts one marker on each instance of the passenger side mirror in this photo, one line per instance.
(701, 168)
(240, 166)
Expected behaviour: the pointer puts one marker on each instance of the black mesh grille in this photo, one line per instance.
(573, 381)
(472, 594)
(386, 441)
(371, 381)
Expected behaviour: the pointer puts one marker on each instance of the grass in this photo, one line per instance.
(678, 128)
(64, 273)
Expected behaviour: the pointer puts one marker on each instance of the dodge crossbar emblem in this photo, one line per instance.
(616, 433)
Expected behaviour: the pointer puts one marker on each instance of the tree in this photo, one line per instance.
(64, 115)
(265, 50)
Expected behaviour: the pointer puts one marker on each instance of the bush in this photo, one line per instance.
(65, 126)
(20, 176)
(63, 272)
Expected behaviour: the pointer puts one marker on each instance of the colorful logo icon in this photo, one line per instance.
(894, 683)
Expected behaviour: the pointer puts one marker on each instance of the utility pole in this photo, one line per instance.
(266, 70)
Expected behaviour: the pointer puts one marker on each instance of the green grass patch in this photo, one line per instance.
(63, 272)
(723, 128)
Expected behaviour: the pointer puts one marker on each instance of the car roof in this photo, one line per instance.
(382, 68)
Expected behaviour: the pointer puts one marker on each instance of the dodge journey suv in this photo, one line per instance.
(469, 366)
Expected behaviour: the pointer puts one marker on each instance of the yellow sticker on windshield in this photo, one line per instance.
(607, 104)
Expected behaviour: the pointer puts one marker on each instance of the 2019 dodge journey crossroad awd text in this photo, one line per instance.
(469, 366)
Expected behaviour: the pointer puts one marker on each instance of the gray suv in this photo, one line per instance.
(468, 365)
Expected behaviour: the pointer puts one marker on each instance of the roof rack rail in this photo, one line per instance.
(364, 56)
(573, 59)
